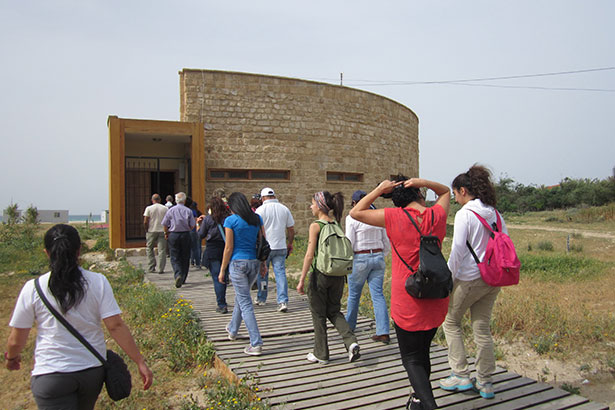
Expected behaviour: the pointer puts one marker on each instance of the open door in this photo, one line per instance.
(147, 157)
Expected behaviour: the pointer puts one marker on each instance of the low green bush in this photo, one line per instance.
(560, 267)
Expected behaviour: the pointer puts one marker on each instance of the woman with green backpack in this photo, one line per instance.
(325, 290)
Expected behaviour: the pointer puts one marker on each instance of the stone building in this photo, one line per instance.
(242, 132)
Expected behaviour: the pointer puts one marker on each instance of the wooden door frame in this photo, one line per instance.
(118, 128)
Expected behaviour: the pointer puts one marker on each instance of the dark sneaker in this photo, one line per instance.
(178, 282)
(222, 310)
(386, 339)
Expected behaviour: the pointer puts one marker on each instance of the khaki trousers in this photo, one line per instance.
(479, 298)
(153, 239)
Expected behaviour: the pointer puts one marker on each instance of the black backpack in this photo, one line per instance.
(433, 278)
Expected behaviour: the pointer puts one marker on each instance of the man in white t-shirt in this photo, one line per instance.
(152, 220)
(278, 222)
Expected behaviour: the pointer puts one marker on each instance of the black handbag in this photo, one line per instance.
(117, 377)
(433, 278)
(262, 247)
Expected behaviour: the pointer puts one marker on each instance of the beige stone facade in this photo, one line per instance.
(315, 132)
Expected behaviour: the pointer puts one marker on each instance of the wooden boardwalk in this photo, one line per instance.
(376, 381)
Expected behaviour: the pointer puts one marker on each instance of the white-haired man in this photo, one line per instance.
(177, 223)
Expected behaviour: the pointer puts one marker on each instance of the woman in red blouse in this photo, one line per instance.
(416, 320)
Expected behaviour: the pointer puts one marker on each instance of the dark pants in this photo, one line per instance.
(414, 350)
(324, 296)
(179, 247)
(195, 248)
(219, 288)
(68, 391)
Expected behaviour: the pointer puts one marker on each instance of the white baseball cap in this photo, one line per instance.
(267, 192)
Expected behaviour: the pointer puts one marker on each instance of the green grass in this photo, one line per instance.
(165, 328)
(560, 268)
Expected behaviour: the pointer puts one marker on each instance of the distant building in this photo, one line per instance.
(242, 132)
(44, 215)
(53, 216)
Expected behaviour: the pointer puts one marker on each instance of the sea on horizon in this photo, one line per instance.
(78, 218)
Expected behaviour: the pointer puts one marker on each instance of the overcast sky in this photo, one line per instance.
(68, 65)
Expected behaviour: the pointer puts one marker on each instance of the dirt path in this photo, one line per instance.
(591, 234)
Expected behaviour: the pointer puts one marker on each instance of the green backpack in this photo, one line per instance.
(334, 250)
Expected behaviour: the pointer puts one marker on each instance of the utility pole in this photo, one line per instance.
(342, 83)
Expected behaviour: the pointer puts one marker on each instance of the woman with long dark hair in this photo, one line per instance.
(325, 292)
(475, 192)
(66, 374)
(210, 228)
(241, 231)
(416, 320)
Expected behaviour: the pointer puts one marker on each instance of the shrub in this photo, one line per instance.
(570, 388)
(12, 214)
(31, 216)
(222, 394)
(560, 267)
(545, 246)
(546, 343)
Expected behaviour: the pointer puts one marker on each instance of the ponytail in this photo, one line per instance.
(66, 282)
(477, 181)
(338, 205)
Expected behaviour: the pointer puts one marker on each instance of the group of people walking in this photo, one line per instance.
(66, 373)
(417, 320)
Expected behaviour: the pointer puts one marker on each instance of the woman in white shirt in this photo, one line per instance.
(476, 193)
(370, 245)
(66, 374)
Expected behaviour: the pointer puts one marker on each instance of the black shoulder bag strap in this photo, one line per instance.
(418, 230)
(67, 325)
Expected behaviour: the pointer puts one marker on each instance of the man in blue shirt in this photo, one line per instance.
(177, 224)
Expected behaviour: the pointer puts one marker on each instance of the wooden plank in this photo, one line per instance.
(378, 380)
(521, 402)
(564, 403)
(591, 405)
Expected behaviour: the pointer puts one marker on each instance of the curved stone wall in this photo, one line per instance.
(311, 129)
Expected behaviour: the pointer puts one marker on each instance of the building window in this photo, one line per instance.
(56, 214)
(248, 174)
(344, 177)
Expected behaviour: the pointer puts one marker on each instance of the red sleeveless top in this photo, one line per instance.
(409, 313)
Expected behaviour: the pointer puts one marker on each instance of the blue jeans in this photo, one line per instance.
(368, 267)
(195, 248)
(243, 273)
(277, 258)
(219, 288)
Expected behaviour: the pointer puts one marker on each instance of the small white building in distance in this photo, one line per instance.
(44, 215)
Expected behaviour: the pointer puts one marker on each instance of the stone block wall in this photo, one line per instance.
(309, 128)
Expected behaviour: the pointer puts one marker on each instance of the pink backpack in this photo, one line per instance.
(501, 265)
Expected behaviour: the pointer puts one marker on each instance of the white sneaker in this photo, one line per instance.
(456, 383)
(282, 307)
(353, 352)
(231, 336)
(311, 358)
(259, 302)
(253, 350)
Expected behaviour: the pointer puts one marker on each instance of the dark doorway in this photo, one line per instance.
(163, 183)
